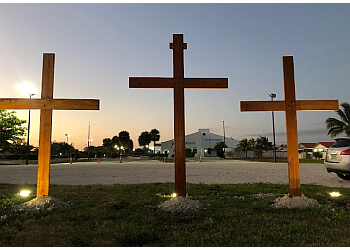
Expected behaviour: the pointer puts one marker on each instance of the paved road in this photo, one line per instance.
(219, 172)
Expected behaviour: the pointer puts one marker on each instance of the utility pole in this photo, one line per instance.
(27, 149)
(223, 125)
(273, 130)
(88, 149)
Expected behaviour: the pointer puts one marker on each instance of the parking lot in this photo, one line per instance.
(133, 172)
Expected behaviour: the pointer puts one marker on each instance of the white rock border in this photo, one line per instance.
(295, 202)
(44, 202)
(180, 204)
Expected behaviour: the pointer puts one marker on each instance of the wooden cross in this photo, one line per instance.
(178, 83)
(46, 104)
(290, 105)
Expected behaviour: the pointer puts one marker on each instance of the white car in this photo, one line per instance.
(337, 158)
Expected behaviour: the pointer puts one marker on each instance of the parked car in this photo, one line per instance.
(337, 158)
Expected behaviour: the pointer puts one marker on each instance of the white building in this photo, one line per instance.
(202, 143)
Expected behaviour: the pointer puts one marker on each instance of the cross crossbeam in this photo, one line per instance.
(290, 105)
(58, 104)
(178, 83)
(46, 104)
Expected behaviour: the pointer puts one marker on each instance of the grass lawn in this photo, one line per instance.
(126, 215)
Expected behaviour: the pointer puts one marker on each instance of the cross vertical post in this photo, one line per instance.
(291, 126)
(290, 105)
(45, 126)
(179, 116)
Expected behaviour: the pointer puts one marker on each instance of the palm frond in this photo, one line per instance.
(335, 131)
(346, 107)
(333, 122)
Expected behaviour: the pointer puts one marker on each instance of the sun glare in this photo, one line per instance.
(26, 88)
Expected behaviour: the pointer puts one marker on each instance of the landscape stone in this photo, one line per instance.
(40, 203)
(180, 204)
(294, 202)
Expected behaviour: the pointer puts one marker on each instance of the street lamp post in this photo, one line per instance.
(67, 143)
(223, 125)
(88, 148)
(27, 149)
(67, 137)
(272, 95)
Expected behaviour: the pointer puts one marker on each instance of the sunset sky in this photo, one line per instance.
(99, 46)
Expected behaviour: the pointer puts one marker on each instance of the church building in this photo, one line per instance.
(201, 143)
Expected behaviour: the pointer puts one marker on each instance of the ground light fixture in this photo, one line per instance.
(335, 194)
(174, 195)
(24, 193)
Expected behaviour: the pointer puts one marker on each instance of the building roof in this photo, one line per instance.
(325, 144)
(308, 144)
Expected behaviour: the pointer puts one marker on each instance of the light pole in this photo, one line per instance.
(67, 143)
(67, 137)
(27, 149)
(88, 141)
(223, 125)
(272, 95)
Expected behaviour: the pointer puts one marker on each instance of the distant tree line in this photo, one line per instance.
(12, 138)
(256, 145)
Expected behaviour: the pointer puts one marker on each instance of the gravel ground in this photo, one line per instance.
(218, 172)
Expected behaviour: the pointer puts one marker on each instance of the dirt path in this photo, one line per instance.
(154, 171)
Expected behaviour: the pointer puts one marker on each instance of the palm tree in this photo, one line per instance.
(144, 139)
(245, 145)
(154, 137)
(336, 126)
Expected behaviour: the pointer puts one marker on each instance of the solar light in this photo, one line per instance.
(24, 193)
(174, 195)
(334, 194)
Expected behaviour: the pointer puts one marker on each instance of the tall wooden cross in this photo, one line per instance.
(46, 104)
(178, 83)
(290, 105)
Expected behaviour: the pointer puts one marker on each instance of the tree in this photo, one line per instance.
(130, 146)
(155, 136)
(115, 141)
(262, 143)
(124, 138)
(317, 155)
(108, 146)
(219, 148)
(188, 152)
(62, 149)
(245, 145)
(144, 139)
(336, 126)
(11, 129)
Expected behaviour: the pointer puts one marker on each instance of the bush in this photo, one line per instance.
(317, 155)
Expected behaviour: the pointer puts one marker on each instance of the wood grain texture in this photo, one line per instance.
(57, 104)
(179, 116)
(291, 126)
(167, 83)
(301, 105)
(45, 127)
